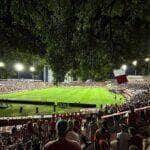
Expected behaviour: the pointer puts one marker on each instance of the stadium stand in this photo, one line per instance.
(115, 127)
(13, 85)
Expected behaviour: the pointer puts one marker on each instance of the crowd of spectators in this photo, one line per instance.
(13, 85)
(91, 131)
(78, 131)
(10, 85)
(139, 85)
(81, 131)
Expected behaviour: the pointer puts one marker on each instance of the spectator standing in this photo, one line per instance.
(135, 139)
(132, 118)
(101, 141)
(71, 135)
(122, 139)
(62, 143)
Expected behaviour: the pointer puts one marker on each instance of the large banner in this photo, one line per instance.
(120, 75)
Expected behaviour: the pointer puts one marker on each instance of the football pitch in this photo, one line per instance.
(87, 95)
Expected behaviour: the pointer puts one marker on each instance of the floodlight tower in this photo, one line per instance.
(147, 60)
(32, 70)
(2, 65)
(124, 67)
(19, 68)
(134, 63)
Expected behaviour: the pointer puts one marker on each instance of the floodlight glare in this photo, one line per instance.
(19, 67)
(124, 67)
(32, 69)
(2, 64)
(147, 59)
(134, 62)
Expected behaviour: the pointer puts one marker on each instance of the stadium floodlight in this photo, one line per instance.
(32, 68)
(124, 67)
(2, 64)
(147, 59)
(134, 63)
(19, 67)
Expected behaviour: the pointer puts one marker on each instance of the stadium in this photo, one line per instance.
(74, 75)
(64, 94)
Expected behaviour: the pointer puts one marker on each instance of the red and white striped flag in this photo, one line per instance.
(120, 75)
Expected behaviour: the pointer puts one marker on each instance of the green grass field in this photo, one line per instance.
(89, 95)
(13, 110)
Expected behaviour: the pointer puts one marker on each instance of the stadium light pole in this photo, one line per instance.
(2, 65)
(147, 61)
(124, 67)
(19, 68)
(32, 70)
(134, 63)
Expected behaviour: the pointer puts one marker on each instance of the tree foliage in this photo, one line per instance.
(88, 37)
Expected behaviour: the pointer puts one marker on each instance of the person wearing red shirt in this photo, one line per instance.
(52, 127)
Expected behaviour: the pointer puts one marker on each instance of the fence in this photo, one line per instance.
(6, 121)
